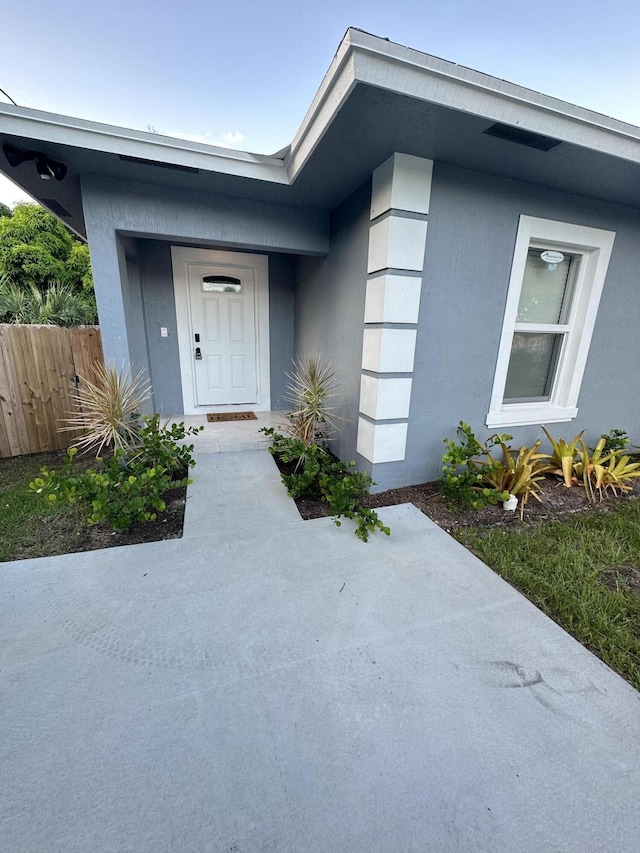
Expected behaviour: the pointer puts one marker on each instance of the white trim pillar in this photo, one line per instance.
(400, 198)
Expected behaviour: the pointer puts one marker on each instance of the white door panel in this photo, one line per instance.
(223, 329)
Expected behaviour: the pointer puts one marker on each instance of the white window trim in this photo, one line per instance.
(595, 246)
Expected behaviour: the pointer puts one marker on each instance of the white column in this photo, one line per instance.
(400, 199)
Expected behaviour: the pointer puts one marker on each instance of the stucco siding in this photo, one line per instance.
(472, 229)
(156, 278)
(329, 309)
(282, 273)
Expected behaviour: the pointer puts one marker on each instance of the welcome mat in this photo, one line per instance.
(231, 416)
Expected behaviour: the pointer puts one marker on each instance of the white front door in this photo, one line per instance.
(222, 307)
(222, 313)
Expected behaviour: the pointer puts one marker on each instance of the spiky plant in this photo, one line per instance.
(600, 471)
(312, 386)
(563, 455)
(57, 305)
(108, 409)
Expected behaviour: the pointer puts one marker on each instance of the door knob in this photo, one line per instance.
(198, 354)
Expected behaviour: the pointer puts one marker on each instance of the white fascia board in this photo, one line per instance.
(337, 85)
(360, 58)
(419, 75)
(94, 136)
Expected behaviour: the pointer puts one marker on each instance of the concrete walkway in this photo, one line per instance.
(269, 684)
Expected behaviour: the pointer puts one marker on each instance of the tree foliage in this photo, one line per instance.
(56, 305)
(43, 260)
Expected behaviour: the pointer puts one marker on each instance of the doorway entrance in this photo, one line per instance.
(223, 328)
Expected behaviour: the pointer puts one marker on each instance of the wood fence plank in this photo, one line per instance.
(22, 358)
(37, 367)
(34, 369)
(67, 406)
(6, 414)
(11, 399)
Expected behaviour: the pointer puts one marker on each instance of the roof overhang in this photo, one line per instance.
(427, 93)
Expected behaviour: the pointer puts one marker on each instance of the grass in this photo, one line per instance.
(29, 526)
(581, 572)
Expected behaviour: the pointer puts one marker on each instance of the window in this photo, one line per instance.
(221, 284)
(557, 276)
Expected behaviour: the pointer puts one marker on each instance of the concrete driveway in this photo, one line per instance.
(268, 684)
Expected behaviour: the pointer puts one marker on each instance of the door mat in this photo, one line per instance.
(231, 416)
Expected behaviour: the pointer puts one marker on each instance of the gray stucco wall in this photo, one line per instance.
(282, 280)
(473, 222)
(142, 210)
(158, 309)
(329, 309)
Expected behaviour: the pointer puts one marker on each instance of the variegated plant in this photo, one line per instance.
(563, 456)
(600, 471)
(518, 474)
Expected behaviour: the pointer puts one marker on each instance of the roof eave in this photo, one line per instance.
(42, 126)
(368, 59)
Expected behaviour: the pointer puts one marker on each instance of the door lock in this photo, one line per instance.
(198, 354)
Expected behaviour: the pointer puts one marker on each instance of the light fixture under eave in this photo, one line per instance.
(46, 168)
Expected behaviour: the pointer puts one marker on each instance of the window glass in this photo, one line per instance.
(221, 284)
(557, 276)
(546, 287)
(532, 366)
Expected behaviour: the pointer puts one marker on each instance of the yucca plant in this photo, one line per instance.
(520, 475)
(312, 386)
(601, 470)
(108, 409)
(563, 456)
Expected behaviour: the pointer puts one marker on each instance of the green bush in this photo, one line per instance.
(614, 440)
(127, 489)
(462, 478)
(318, 475)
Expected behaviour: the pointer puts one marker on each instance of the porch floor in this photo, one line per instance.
(231, 436)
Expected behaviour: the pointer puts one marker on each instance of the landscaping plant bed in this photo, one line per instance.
(31, 528)
(556, 501)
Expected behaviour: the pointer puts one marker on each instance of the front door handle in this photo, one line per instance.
(198, 354)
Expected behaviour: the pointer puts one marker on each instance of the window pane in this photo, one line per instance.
(546, 288)
(532, 366)
(221, 284)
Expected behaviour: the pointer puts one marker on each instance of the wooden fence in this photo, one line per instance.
(40, 370)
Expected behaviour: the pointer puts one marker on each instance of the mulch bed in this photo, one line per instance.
(556, 501)
(168, 525)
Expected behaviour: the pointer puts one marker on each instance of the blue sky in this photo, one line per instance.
(244, 74)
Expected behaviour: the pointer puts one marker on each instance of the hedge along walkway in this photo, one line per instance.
(273, 684)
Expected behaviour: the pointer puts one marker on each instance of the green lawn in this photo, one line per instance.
(28, 525)
(582, 571)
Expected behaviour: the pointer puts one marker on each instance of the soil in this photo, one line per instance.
(556, 500)
(67, 533)
(168, 525)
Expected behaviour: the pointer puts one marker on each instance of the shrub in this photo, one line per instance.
(127, 489)
(462, 482)
(473, 476)
(519, 475)
(318, 475)
(616, 439)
